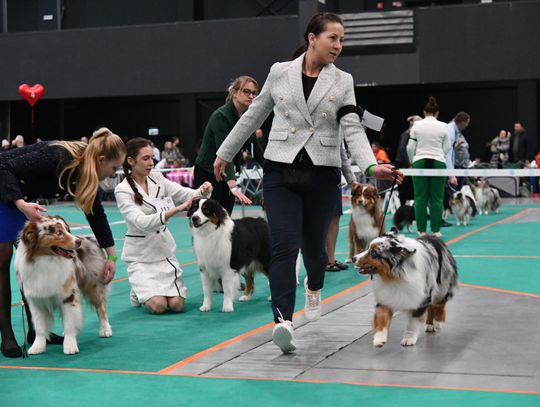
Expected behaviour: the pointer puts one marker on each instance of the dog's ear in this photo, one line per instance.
(220, 212)
(194, 206)
(29, 235)
(356, 187)
(401, 248)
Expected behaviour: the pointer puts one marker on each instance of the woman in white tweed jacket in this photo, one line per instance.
(301, 173)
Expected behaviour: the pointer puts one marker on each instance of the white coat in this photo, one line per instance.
(148, 238)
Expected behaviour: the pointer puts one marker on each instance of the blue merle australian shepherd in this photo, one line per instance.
(414, 276)
(225, 247)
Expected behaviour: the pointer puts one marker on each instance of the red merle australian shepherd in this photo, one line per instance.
(53, 268)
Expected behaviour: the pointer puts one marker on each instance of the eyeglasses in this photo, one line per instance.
(249, 92)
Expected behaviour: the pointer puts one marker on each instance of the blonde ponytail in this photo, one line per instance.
(85, 157)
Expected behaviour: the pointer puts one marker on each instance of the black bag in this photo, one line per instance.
(301, 175)
(299, 179)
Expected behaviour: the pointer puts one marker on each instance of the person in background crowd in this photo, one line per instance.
(518, 144)
(380, 153)
(500, 147)
(428, 146)
(462, 157)
(402, 161)
(169, 154)
(18, 141)
(5, 145)
(455, 128)
(156, 154)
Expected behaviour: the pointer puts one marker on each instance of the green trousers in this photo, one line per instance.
(428, 191)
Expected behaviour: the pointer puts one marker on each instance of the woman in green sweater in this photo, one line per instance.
(242, 91)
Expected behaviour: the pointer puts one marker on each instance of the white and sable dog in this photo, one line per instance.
(415, 276)
(488, 198)
(225, 247)
(463, 207)
(53, 267)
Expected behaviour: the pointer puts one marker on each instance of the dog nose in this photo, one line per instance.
(195, 219)
(78, 242)
(355, 259)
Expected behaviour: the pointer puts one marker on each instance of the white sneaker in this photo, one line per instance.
(283, 336)
(133, 299)
(313, 303)
(437, 234)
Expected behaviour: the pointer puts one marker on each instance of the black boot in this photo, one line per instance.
(9, 346)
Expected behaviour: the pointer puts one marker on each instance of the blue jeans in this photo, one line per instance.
(297, 220)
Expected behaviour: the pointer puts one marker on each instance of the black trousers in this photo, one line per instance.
(221, 192)
(297, 220)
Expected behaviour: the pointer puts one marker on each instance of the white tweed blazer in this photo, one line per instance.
(298, 123)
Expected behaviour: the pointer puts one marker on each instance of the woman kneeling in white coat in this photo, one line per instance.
(147, 201)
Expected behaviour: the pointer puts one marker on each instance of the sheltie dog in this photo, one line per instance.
(415, 276)
(488, 199)
(404, 217)
(225, 247)
(53, 267)
(366, 217)
(463, 208)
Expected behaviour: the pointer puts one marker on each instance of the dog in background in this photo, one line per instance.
(53, 268)
(463, 208)
(415, 276)
(404, 218)
(488, 198)
(366, 217)
(225, 247)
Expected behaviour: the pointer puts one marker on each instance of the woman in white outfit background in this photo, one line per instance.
(147, 200)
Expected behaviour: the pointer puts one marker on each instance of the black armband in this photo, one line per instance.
(350, 109)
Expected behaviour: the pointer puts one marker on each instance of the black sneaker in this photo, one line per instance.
(445, 224)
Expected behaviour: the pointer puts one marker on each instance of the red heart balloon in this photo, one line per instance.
(31, 93)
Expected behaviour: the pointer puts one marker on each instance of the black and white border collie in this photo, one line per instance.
(225, 247)
(415, 276)
(54, 268)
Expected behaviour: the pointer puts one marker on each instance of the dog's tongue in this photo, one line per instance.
(367, 270)
(68, 254)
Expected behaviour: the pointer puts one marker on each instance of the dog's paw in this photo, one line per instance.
(205, 308)
(70, 345)
(38, 346)
(438, 325)
(430, 328)
(227, 308)
(409, 341)
(105, 330)
(244, 298)
(379, 339)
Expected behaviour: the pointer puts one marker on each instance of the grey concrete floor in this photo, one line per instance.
(491, 341)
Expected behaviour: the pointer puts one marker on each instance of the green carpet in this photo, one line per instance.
(94, 389)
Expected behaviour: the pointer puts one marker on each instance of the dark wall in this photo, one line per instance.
(146, 60)
(479, 42)
(100, 13)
